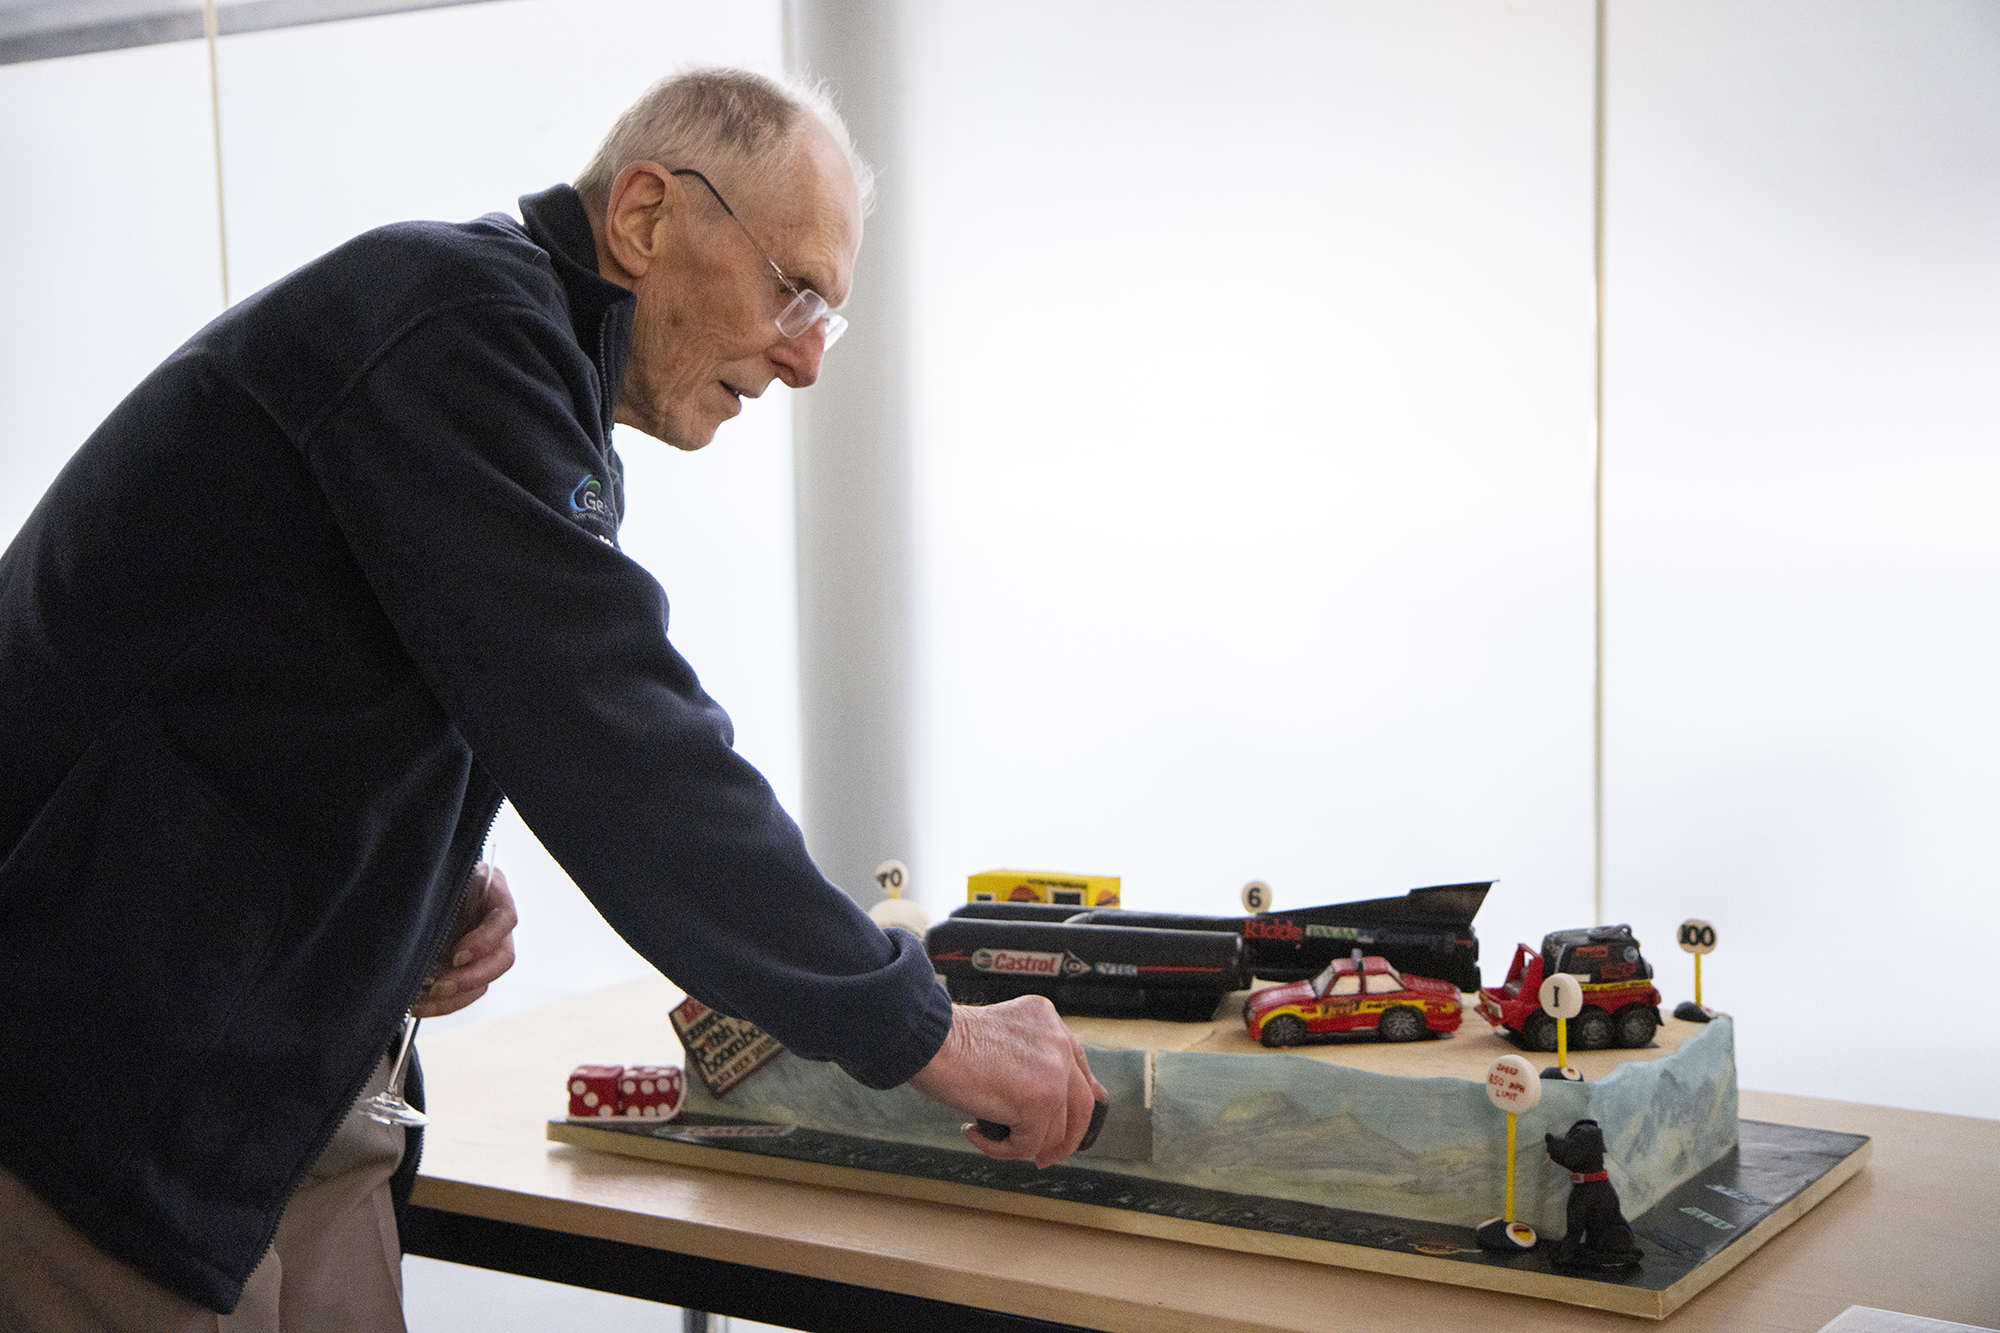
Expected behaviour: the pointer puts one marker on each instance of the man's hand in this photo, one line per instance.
(1015, 1064)
(482, 946)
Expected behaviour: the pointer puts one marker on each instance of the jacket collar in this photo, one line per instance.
(600, 311)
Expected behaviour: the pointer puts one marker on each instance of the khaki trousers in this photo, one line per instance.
(336, 1265)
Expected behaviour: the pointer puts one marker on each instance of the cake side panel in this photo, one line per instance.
(1285, 1127)
(818, 1095)
(1428, 1149)
(795, 1091)
(1665, 1120)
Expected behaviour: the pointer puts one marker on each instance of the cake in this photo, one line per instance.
(1398, 1130)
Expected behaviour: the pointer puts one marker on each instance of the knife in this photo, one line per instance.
(1116, 1133)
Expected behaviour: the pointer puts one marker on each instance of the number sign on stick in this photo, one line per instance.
(1562, 1000)
(1697, 937)
(1256, 896)
(896, 911)
(1561, 996)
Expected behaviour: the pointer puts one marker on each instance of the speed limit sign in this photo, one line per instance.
(1697, 937)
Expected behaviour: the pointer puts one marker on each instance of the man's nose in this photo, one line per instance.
(798, 358)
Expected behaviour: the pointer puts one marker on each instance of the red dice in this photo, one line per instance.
(593, 1090)
(650, 1092)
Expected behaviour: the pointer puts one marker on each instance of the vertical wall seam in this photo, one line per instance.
(851, 479)
(209, 26)
(1597, 479)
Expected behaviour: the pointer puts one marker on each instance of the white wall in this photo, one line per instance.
(1254, 425)
(1804, 449)
(108, 255)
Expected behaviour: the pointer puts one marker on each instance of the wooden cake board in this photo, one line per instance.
(1704, 1228)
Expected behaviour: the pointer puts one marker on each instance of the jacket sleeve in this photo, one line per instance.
(461, 473)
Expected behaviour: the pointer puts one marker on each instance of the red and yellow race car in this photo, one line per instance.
(1354, 994)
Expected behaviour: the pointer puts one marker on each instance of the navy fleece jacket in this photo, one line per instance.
(332, 579)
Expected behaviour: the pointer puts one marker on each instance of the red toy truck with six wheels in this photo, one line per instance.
(1620, 1005)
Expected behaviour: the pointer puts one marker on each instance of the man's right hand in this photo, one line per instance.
(482, 946)
(1018, 1065)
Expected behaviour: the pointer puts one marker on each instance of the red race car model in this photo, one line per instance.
(1620, 1005)
(1353, 995)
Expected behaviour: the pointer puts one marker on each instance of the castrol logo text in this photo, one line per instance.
(1017, 962)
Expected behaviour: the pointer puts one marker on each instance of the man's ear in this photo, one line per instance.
(645, 203)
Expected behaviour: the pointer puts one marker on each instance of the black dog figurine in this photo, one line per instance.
(1598, 1234)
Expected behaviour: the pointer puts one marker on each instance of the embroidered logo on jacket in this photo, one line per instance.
(590, 508)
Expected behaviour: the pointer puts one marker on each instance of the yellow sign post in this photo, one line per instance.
(1514, 1087)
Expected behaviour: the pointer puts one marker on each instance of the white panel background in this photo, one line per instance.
(108, 255)
(1254, 412)
(1804, 562)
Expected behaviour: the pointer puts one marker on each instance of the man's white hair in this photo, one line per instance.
(745, 123)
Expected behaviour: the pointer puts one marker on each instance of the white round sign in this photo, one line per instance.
(1697, 936)
(1256, 896)
(892, 876)
(1561, 996)
(1513, 1085)
(901, 914)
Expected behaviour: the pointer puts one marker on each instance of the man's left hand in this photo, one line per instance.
(482, 946)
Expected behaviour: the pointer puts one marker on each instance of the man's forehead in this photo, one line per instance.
(814, 215)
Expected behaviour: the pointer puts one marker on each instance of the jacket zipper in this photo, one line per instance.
(414, 1141)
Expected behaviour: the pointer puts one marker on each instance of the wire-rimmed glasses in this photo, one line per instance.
(807, 306)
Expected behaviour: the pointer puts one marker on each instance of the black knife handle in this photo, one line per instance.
(998, 1132)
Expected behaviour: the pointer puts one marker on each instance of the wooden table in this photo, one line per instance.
(1918, 1231)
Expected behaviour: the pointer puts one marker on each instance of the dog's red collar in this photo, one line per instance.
(1579, 1177)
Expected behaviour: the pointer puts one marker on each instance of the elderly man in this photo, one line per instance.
(334, 578)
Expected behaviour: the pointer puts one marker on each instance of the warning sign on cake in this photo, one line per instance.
(1513, 1086)
(722, 1051)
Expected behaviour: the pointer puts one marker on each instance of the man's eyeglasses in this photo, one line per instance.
(807, 307)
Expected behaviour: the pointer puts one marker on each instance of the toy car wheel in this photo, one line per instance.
(1284, 1030)
(1403, 1023)
(1636, 1025)
(1591, 1030)
(1538, 1032)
